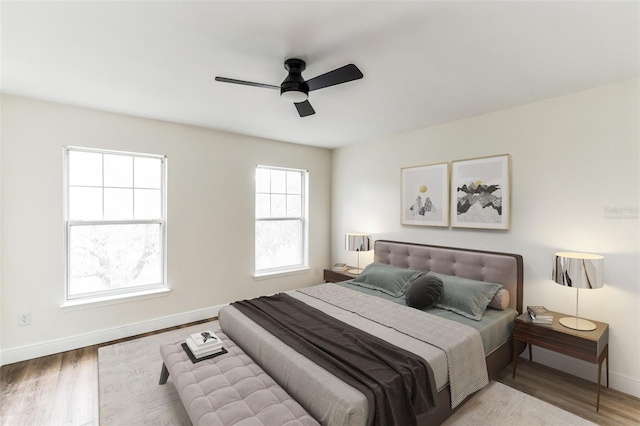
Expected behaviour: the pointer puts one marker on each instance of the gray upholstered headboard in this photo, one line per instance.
(501, 268)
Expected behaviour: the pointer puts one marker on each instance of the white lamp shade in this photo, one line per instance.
(578, 270)
(358, 242)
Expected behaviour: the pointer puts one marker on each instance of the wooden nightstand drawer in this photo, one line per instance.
(556, 341)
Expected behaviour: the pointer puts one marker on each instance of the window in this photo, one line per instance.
(281, 225)
(115, 222)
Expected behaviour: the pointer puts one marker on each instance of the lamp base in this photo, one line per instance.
(357, 271)
(577, 323)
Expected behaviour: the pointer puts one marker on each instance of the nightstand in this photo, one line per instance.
(332, 276)
(591, 346)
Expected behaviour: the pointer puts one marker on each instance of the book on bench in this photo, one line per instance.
(204, 343)
(195, 359)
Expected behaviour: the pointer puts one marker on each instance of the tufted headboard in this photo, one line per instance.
(495, 267)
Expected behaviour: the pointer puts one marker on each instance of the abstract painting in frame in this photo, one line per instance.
(425, 195)
(480, 191)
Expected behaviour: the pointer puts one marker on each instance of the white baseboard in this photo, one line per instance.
(584, 370)
(23, 353)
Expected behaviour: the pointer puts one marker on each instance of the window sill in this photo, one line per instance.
(278, 274)
(75, 305)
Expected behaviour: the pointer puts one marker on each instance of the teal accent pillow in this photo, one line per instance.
(466, 297)
(387, 279)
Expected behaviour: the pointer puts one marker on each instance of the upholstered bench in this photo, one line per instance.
(229, 389)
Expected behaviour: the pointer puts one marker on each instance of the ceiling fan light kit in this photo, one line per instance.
(294, 94)
(295, 89)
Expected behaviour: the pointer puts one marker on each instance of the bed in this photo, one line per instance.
(334, 400)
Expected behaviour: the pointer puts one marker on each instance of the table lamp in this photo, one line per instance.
(578, 270)
(357, 242)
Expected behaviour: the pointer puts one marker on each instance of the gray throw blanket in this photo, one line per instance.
(398, 384)
(462, 344)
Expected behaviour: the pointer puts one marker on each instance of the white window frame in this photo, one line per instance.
(113, 295)
(303, 219)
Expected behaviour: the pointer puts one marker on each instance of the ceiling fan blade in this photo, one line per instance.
(246, 83)
(338, 76)
(304, 108)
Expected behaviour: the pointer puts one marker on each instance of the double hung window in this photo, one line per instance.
(115, 222)
(281, 220)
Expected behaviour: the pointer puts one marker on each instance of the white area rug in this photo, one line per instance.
(129, 373)
(498, 404)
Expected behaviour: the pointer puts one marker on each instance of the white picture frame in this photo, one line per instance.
(480, 192)
(425, 195)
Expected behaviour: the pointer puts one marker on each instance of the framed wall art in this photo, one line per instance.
(425, 195)
(480, 190)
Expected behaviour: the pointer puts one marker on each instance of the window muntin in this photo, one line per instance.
(115, 222)
(281, 225)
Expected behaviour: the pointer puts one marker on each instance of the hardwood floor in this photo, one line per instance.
(62, 389)
(59, 389)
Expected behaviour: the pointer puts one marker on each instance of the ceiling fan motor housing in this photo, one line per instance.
(294, 88)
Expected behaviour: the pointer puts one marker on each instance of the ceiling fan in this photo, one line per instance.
(295, 89)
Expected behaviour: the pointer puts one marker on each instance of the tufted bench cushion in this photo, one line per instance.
(230, 389)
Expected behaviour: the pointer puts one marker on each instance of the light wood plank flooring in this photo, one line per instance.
(62, 389)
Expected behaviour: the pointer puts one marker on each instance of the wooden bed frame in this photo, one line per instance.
(495, 267)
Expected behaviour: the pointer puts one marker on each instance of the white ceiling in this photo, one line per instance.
(424, 62)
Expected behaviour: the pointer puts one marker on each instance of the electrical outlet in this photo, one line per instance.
(24, 318)
(317, 271)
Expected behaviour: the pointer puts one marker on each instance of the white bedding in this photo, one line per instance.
(434, 356)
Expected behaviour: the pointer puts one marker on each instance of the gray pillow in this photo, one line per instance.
(466, 297)
(424, 292)
(387, 279)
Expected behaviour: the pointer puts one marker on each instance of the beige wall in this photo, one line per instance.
(210, 221)
(571, 157)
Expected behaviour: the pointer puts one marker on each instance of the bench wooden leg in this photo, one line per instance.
(164, 374)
